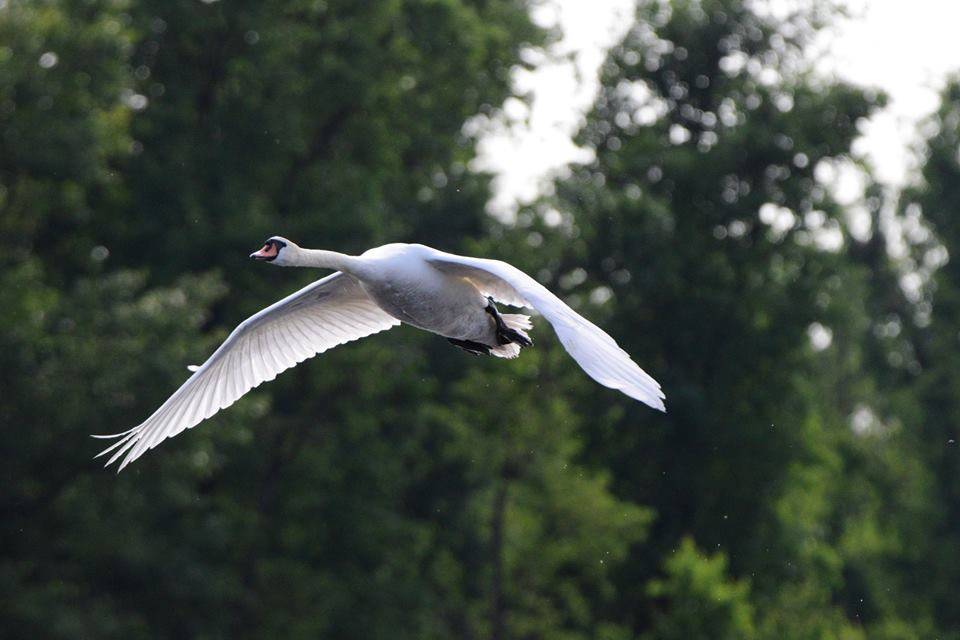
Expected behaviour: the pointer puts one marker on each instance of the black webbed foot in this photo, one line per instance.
(506, 335)
(470, 346)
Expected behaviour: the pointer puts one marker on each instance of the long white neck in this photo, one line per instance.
(320, 259)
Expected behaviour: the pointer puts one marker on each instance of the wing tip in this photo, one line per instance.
(653, 399)
(121, 448)
(654, 402)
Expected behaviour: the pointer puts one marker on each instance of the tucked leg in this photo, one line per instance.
(506, 335)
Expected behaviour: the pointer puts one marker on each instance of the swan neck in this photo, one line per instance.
(321, 259)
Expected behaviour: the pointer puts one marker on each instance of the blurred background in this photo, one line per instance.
(708, 180)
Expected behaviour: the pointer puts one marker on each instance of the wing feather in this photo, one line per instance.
(594, 350)
(325, 314)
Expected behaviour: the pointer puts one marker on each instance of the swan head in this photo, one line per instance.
(277, 250)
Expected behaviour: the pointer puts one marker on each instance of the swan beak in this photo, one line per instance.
(268, 252)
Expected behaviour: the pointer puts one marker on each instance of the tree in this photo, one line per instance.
(920, 351)
(702, 233)
(701, 601)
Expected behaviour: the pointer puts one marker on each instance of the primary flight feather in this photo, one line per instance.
(443, 293)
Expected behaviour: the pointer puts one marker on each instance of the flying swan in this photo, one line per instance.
(443, 293)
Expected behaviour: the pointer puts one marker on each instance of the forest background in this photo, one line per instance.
(804, 483)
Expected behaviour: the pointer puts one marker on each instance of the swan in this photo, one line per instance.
(450, 295)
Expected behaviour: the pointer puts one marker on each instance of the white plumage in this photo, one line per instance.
(440, 292)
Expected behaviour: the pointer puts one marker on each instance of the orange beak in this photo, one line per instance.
(268, 252)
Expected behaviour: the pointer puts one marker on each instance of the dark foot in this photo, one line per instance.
(470, 346)
(506, 335)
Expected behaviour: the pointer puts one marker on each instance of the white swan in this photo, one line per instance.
(440, 292)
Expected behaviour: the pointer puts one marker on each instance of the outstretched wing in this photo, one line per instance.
(322, 315)
(594, 350)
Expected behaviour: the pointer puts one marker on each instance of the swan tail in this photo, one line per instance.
(508, 351)
(518, 322)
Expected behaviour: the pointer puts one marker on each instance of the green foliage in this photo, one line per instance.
(698, 600)
(552, 532)
(63, 69)
(925, 381)
(699, 215)
(703, 217)
(396, 487)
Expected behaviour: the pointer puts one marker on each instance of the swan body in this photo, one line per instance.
(416, 293)
(450, 295)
